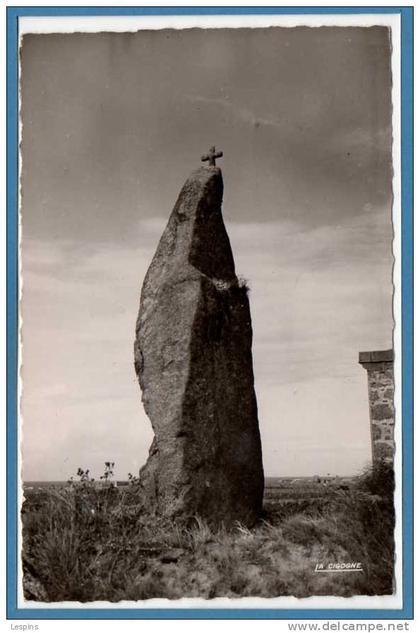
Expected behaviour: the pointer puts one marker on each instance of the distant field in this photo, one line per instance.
(278, 491)
(270, 482)
(301, 491)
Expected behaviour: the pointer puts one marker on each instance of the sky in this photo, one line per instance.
(112, 125)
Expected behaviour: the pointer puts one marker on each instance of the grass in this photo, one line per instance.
(85, 542)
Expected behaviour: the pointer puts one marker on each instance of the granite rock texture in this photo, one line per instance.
(194, 363)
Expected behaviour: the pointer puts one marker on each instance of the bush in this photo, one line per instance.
(378, 480)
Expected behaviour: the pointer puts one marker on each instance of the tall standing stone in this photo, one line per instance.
(194, 363)
(380, 369)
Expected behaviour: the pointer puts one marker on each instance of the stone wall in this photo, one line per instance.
(380, 370)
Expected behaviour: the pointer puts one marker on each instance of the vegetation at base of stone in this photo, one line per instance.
(87, 541)
(244, 284)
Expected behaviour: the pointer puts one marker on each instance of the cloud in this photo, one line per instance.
(319, 426)
(317, 298)
(241, 113)
(363, 139)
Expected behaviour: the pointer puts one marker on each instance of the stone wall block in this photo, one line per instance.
(380, 371)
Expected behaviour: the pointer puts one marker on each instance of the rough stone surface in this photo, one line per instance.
(376, 431)
(384, 451)
(380, 370)
(382, 411)
(194, 364)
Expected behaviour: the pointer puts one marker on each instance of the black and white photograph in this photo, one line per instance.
(207, 313)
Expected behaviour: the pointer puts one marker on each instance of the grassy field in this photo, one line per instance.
(84, 542)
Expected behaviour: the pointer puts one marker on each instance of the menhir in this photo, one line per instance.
(194, 363)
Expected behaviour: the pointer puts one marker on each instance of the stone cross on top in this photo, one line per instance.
(211, 156)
